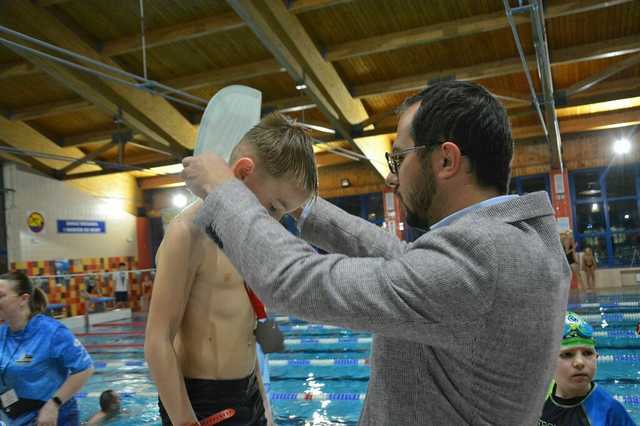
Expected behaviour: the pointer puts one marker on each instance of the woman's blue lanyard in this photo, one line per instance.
(3, 370)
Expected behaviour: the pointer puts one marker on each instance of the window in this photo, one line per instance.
(526, 184)
(623, 215)
(621, 182)
(606, 216)
(367, 206)
(590, 218)
(626, 249)
(587, 185)
(375, 208)
(351, 205)
(534, 184)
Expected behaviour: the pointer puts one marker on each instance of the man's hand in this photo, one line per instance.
(205, 173)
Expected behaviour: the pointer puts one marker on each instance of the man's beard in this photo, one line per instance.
(414, 221)
(421, 198)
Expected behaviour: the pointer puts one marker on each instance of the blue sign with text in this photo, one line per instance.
(82, 227)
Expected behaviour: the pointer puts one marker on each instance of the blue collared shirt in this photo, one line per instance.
(460, 213)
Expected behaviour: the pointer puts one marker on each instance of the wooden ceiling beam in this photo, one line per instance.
(302, 6)
(149, 114)
(49, 3)
(92, 137)
(453, 29)
(604, 92)
(284, 36)
(173, 34)
(225, 76)
(189, 30)
(89, 157)
(585, 123)
(151, 146)
(50, 109)
(125, 168)
(19, 135)
(14, 69)
(327, 158)
(293, 104)
(587, 52)
(164, 181)
(27, 160)
(611, 70)
(220, 77)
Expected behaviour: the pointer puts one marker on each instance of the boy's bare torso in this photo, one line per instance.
(215, 339)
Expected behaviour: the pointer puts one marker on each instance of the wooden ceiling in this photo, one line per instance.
(358, 58)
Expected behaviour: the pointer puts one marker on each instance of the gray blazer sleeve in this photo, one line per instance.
(336, 231)
(447, 280)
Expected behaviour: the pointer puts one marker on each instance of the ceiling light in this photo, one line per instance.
(622, 146)
(345, 183)
(595, 208)
(301, 86)
(591, 189)
(179, 200)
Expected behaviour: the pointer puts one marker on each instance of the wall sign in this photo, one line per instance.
(35, 222)
(81, 226)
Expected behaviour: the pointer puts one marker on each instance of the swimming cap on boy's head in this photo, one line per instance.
(577, 332)
(229, 115)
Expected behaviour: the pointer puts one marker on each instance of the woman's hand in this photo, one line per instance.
(48, 414)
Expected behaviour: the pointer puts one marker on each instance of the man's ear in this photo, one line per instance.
(243, 168)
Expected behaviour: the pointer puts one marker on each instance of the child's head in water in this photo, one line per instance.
(577, 359)
(275, 160)
(110, 402)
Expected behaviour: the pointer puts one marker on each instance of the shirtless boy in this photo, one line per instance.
(200, 342)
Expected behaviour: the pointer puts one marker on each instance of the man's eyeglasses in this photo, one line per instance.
(394, 159)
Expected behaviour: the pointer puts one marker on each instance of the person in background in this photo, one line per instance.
(569, 245)
(147, 288)
(121, 286)
(109, 407)
(42, 365)
(573, 398)
(589, 265)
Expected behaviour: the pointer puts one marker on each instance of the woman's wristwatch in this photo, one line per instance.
(57, 401)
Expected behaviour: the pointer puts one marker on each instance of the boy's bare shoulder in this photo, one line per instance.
(183, 224)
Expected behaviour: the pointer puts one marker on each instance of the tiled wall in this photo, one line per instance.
(60, 200)
(67, 291)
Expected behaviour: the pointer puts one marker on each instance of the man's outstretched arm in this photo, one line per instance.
(449, 279)
(336, 231)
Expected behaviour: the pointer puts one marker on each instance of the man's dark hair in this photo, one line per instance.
(122, 264)
(469, 116)
(107, 399)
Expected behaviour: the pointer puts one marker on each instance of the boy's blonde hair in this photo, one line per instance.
(282, 148)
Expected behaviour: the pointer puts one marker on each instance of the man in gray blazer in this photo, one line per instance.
(467, 318)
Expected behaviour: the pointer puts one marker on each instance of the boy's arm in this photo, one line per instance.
(174, 278)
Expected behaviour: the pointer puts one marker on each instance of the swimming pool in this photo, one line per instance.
(322, 377)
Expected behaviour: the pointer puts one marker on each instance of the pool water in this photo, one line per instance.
(338, 375)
